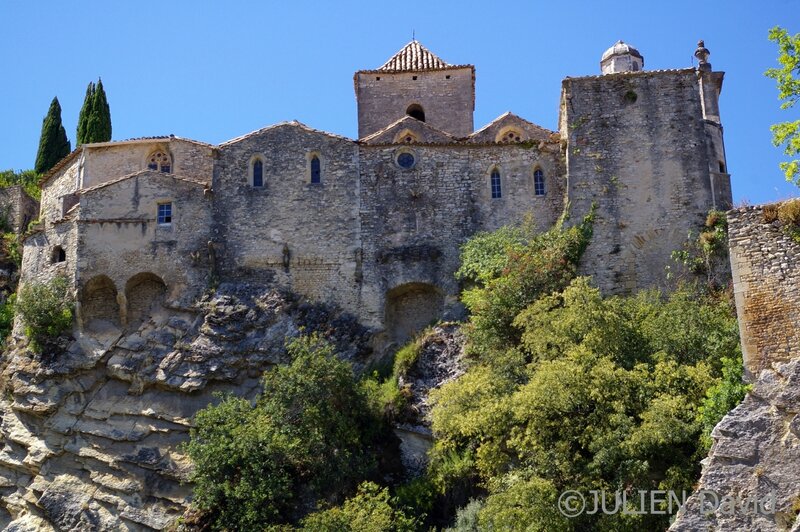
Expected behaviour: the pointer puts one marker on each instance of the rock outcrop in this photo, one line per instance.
(90, 438)
(754, 462)
(439, 362)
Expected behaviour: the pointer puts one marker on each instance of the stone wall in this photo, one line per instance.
(18, 208)
(766, 283)
(119, 235)
(446, 95)
(109, 160)
(637, 145)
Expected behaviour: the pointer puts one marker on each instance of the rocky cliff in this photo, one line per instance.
(90, 438)
(751, 478)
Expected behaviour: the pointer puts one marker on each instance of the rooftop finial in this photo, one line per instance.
(413, 36)
(702, 54)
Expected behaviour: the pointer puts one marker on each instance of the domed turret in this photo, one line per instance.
(622, 57)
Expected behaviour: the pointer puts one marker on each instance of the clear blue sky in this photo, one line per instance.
(216, 70)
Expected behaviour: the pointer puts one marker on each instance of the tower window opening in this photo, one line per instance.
(415, 111)
(538, 182)
(495, 183)
(721, 167)
(316, 170)
(58, 255)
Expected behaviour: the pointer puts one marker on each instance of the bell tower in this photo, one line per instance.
(415, 82)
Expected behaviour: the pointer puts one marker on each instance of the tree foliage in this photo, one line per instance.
(94, 120)
(787, 76)
(53, 143)
(45, 309)
(597, 393)
(372, 509)
(29, 180)
(310, 436)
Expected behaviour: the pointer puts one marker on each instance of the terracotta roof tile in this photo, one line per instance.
(413, 56)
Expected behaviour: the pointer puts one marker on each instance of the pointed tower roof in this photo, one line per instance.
(413, 56)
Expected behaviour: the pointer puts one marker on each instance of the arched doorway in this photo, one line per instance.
(98, 300)
(410, 308)
(144, 292)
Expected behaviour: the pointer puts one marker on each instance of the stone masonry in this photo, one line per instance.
(374, 225)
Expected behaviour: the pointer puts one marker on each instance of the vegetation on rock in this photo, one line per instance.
(45, 309)
(311, 437)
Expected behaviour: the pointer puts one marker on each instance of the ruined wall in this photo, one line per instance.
(637, 145)
(766, 283)
(38, 253)
(447, 96)
(119, 235)
(18, 208)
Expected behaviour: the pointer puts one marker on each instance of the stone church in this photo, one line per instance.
(374, 224)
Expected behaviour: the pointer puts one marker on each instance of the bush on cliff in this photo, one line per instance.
(311, 436)
(597, 394)
(45, 309)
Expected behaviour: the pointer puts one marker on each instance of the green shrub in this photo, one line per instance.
(311, 435)
(722, 397)
(45, 310)
(371, 510)
(7, 318)
(467, 517)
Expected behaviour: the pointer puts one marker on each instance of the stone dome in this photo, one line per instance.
(621, 57)
(621, 48)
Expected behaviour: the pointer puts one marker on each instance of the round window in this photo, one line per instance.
(406, 160)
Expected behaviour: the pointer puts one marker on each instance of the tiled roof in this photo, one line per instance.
(413, 56)
(293, 123)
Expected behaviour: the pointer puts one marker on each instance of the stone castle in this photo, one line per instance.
(374, 225)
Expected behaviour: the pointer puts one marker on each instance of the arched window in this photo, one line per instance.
(416, 111)
(510, 136)
(495, 182)
(258, 173)
(538, 182)
(316, 170)
(160, 162)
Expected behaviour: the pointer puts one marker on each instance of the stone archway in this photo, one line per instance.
(98, 302)
(410, 308)
(144, 292)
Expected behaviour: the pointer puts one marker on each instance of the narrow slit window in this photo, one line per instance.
(538, 182)
(164, 213)
(495, 182)
(316, 170)
(258, 173)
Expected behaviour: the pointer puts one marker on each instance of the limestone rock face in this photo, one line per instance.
(90, 438)
(439, 362)
(756, 455)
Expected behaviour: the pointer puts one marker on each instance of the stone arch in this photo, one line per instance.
(98, 302)
(144, 292)
(410, 308)
(415, 110)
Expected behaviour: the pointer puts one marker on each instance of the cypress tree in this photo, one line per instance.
(83, 117)
(100, 109)
(53, 143)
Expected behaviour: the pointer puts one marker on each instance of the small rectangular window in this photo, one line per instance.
(164, 213)
(152, 166)
(495, 182)
(165, 168)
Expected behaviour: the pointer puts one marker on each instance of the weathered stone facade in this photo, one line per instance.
(375, 225)
(766, 284)
(17, 208)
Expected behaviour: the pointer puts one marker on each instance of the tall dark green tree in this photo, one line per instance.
(83, 117)
(53, 143)
(94, 121)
